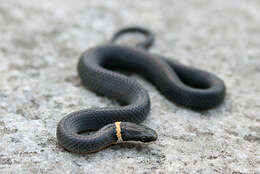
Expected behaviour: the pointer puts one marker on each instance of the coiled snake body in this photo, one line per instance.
(185, 86)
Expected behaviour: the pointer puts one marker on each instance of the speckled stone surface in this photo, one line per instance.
(41, 42)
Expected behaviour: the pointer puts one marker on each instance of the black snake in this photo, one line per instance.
(183, 85)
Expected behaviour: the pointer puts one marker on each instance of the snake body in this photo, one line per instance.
(183, 85)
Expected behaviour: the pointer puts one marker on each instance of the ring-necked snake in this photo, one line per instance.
(183, 85)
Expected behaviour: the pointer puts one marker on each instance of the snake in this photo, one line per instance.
(93, 129)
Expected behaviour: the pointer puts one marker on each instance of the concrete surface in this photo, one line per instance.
(40, 42)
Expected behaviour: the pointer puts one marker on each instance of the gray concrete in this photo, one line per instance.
(40, 42)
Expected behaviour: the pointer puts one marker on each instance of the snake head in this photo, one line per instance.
(135, 132)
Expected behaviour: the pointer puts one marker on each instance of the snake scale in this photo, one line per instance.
(186, 86)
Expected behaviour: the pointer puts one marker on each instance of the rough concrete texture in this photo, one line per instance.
(41, 42)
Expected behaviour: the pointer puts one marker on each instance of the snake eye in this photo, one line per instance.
(149, 136)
